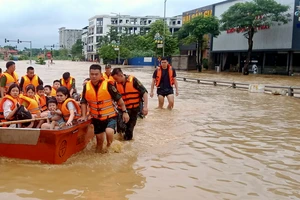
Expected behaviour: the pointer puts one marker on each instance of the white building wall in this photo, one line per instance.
(68, 37)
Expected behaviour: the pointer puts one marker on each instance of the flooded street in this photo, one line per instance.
(217, 143)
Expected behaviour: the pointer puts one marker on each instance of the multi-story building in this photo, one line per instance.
(276, 48)
(68, 37)
(84, 37)
(100, 25)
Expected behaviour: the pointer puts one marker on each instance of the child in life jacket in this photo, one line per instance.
(55, 119)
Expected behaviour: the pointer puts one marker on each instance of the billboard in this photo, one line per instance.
(188, 15)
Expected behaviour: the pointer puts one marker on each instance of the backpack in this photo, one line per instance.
(22, 114)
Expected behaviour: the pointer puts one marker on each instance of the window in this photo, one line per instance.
(99, 22)
(178, 22)
(97, 38)
(99, 30)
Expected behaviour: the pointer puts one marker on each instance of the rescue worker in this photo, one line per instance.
(69, 82)
(30, 78)
(132, 91)
(107, 74)
(9, 77)
(164, 77)
(100, 95)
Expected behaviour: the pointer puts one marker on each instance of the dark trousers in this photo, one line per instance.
(133, 113)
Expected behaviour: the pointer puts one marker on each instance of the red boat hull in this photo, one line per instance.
(47, 146)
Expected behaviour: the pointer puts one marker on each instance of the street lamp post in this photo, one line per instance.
(21, 41)
(159, 41)
(116, 46)
(119, 33)
(165, 2)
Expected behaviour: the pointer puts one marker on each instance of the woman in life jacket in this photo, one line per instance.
(10, 104)
(68, 106)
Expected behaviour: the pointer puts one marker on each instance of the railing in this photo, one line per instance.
(290, 90)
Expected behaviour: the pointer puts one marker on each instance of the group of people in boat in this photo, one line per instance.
(112, 100)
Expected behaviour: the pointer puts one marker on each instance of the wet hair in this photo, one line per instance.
(30, 87)
(39, 87)
(29, 68)
(9, 63)
(87, 79)
(58, 81)
(63, 90)
(51, 100)
(48, 86)
(95, 66)
(164, 58)
(116, 71)
(14, 85)
(107, 66)
(66, 75)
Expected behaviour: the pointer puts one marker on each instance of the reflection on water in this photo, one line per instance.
(218, 143)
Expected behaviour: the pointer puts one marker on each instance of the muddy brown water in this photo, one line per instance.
(217, 143)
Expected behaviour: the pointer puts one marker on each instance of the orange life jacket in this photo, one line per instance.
(53, 92)
(65, 111)
(130, 95)
(10, 79)
(33, 104)
(159, 74)
(67, 85)
(42, 102)
(13, 100)
(34, 81)
(110, 78)
(100, 102)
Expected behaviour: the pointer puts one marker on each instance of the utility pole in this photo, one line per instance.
(119, 34)
(164, 28)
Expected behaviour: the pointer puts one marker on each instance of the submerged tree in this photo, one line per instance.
(248, 17)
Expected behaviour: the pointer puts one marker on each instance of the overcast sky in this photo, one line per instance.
(39, 20)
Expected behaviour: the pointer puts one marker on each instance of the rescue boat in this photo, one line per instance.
(46, 146)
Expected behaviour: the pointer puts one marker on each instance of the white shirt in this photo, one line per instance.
(7, 107)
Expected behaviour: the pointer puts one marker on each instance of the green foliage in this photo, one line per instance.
(107, 53)
(256, 13)
(40, 61)
(63, 52)
(124, 52)
(199, 26)
(205, 63)
(139, 45)
(140, 53)
(195, 30)
(77, 49)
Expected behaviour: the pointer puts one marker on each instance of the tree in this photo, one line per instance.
(248, 17)
(107, 53)
(171, 43)
(124, 52)
(77, 49)
(195, 30)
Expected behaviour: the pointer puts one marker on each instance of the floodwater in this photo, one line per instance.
(217, 143)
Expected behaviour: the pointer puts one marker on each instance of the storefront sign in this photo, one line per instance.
(205, 11)
(243, 30)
